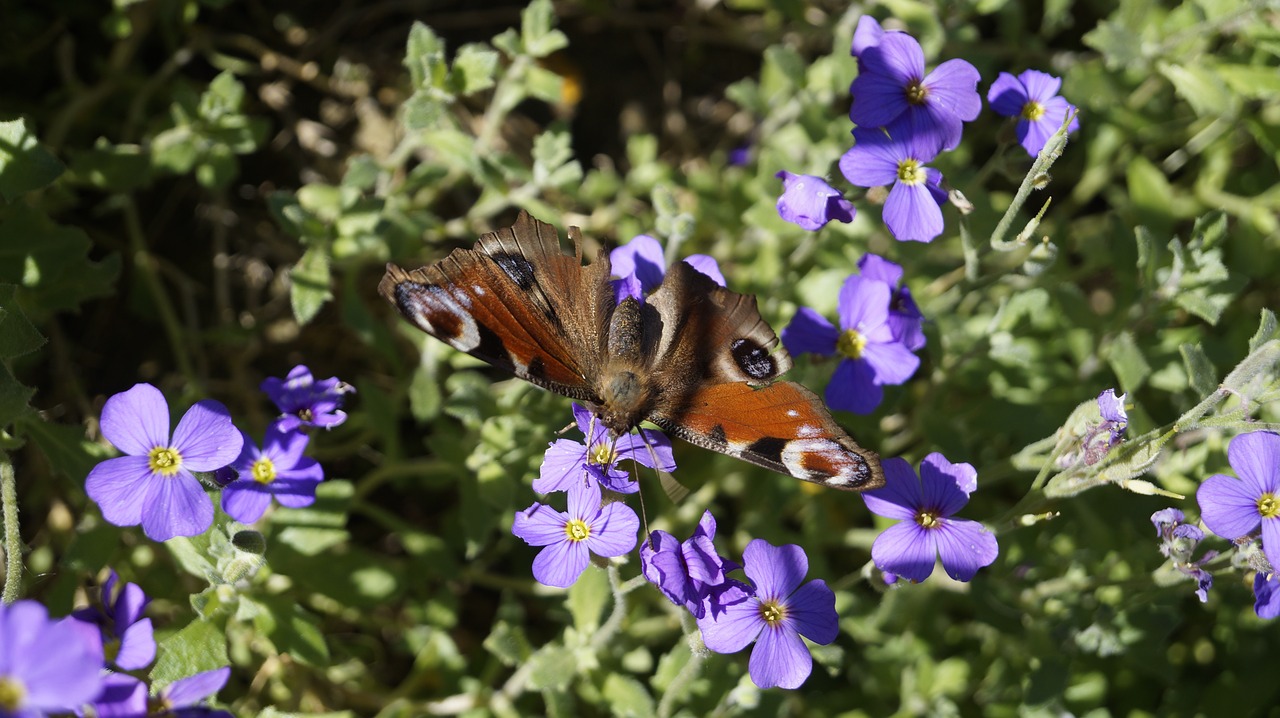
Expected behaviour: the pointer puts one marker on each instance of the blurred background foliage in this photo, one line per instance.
(202, 193)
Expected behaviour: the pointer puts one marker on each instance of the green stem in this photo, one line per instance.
(1035, 179)
(614, 622)
(146, 266)
(678, 684)
(12, 540)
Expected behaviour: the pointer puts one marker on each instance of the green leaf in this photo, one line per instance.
(320, 527)
(424, 57)
(1266, 330)
(50, 263)
(200, 646)
(64, 446)
(627, 697)
(1202, 88)
(543, 84)
(1151, 194)
(309, 284)
(116, 168)
(537, 35)
(552, 667)
(191, 553)
(553, 163)
(1127, 362)
(294, 631)
(14, 397)
(1255, 82)
(508, 643)
(784, 69)
(1204, 378)
(424, 109)
(18, 335)
(473, 69)
(588, 597)
(25, 165)
(1210, 228)
(424, 392)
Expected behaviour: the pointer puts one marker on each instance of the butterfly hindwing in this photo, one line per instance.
(735, 403)
(781, 426)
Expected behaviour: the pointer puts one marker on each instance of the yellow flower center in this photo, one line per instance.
(305, 414)
(916, 92)
(1032, 110)
(12, 694)
(928, 520)
(772, 612)
(164, 460)
(911, 172)
(851, 343)
(264, 470)
(602, 454)
(1269, 506)
(577, 530)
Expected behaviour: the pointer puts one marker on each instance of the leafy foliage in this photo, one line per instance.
(203, 194)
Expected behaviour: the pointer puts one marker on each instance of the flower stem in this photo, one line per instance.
(1037, 177)
(146, 266)
(678, 684)
(614, 622)
(12, 540)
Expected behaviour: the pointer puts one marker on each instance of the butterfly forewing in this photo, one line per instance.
(498, 307)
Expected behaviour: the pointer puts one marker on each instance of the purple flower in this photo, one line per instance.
(927, 531)
(873, 357)
(1033, 98)
(896, 156)
(891, 84)
(153, 484)
(740, 156)
(692, 574)
(587, 528)
(905, 318)
(1266, 594)
(641, 265)
(1234, 508)
(1178, 541)
(810, 202)
(184, 697)
(45, 666)
(1104, 437)
(277, 469)
(564, 463)
(123, 636)
(775, 617)
(866, 35)
(122, 696)
(303, 401)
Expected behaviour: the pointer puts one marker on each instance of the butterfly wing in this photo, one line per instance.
(515, 301)
(719, 364)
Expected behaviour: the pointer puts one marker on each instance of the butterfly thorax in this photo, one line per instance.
(624, 384)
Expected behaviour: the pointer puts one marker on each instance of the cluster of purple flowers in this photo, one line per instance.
(61, 666)
(904, 119)
(774, 609)
(880, 329)
(1247, 508)
(154, 483)
(1244, 509)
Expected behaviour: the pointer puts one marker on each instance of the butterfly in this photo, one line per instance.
(694, 358)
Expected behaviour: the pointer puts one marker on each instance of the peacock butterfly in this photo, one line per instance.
(694, 358)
